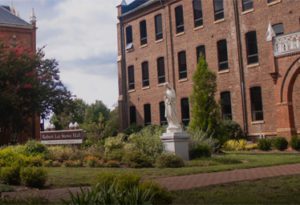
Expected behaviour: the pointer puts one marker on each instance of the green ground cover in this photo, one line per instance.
(280, 190)
(65, 177)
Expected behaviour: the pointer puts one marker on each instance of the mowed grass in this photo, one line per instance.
(280, 190)
(68, 177)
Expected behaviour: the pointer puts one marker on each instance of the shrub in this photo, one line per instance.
(72, 163)
(169, 160)
(10, 175)
(116, 154)
(93, 161)
(160, 195)
(147, 141)
(112, 143)
(33, 147)
(136, 159)
(251, 146)
(121, 189)
(295, 143)
(201, 150)
(34, 177)
(200, 138)
(112, 163)
(235, 145)
(280, 143)
(264, 144)
(59, 153)
(231, 131)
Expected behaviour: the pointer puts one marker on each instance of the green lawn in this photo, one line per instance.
(280, 190)
(64, 177)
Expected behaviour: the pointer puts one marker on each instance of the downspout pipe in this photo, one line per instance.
(241, 65)
(124, 109)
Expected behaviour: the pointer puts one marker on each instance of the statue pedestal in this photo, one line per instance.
(177, 143)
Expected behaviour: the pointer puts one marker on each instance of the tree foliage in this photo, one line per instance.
(29, 85)
(205, 110)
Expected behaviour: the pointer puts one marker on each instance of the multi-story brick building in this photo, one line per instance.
(258, 85)
(15, 32)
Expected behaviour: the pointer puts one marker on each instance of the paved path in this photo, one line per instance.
(207, 179)
(180, 182)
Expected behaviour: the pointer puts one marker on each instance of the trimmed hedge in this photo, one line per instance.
(264, 144)
(295, 143)
(33, 177)
(280, 143)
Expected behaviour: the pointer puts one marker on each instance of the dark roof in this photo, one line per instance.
(7, 18)
(136, 5)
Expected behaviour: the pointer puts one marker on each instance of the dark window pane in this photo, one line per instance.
(200, 50)
(161, 70)
(185, 111)
(270, 1)
(226, 106)
(158, 27)
(252, 51)
(198, 17)
(143, 32)
(256, 104)
(182, 65)
(222, 55)
(247, 4)
(147, 114)
(278, 28)
(128, 35)
(179, 19)
(145, 74)
(218, 9)
(163, 120)
(132, 115)
(131, 84)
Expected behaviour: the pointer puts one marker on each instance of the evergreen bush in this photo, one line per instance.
(264, 144)
(34, 176)
(295, 143)
(280, 143)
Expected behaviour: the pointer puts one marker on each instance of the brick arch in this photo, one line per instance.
(285, 112)
(286, 91)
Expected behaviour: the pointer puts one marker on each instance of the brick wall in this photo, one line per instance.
(255, 75)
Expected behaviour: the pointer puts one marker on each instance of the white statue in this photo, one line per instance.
(170, 110)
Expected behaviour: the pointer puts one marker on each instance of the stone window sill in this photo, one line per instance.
(224, 71)
(248, 11)
(219, 21)
(254, 65)
(146, 88)
(274, 2)
(198, 28)
(258, 122)
(159, 41)
(161, 84)
(144, 46)
(131, 91)
(182, 80)
(180, 34)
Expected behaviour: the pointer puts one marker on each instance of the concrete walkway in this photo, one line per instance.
(179, 182)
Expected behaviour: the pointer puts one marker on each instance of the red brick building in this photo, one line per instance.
(258, 85)
(14, 32)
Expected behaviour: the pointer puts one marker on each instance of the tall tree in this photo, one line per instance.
(205, 110)
(29, 85)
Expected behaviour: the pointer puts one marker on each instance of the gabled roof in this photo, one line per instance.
(136, 5)
(7, 18)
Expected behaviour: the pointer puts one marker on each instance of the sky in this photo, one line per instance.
(82, 36)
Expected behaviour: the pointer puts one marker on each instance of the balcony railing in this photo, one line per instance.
(287, 44)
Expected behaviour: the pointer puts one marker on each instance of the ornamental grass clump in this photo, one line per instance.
(126, 189)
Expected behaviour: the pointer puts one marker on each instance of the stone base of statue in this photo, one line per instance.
(177, 143)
